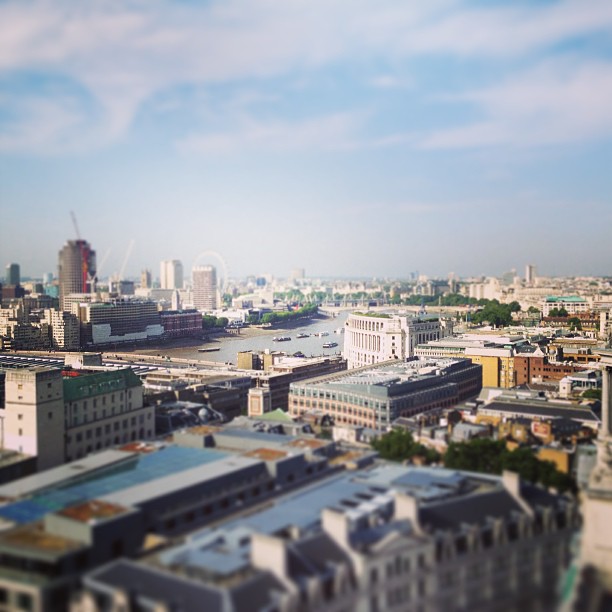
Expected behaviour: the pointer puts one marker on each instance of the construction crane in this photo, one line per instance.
(125, 259)
(76, 225)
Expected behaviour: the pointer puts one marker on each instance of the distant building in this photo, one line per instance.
(17, 332)
(117, 321)
(12, 274)
(297, 274)
(530, 274)
(573, 304)
(376, 337)
(181, 323)
(271, 391)
(204, 287)
(65, 329)
(77, 269)
(171, 274)
(145, 279)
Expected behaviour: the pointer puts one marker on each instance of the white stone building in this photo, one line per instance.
(376, 337)
(60, 418)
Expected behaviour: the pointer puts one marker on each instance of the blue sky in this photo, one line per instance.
(348, 137)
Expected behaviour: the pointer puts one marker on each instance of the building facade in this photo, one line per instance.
(65, 329)
(376, 337)
(181, 323)
(118, 321)
(59, 417)
(171, 274)
(407, 539)
(375, 396)
(204, 287)
(12, 274)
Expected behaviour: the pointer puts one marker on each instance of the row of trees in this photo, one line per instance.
(212, 322)
(308, 310)
(478, 455)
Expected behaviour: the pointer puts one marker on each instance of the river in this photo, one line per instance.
(230, 346)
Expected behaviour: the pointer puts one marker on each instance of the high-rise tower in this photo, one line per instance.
(77, 269)
(12, 274)
(171, 274)
(204, 287)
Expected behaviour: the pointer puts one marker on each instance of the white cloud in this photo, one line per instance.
(125, 52)
(332, 132)
(557, 102)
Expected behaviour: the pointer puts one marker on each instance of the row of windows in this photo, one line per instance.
(116, 440)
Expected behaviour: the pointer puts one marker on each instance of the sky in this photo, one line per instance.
(355, 138)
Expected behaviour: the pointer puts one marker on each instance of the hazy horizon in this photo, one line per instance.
(365, 139)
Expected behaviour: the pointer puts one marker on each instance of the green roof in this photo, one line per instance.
(276, 415)
(565, 298)
(90, 385)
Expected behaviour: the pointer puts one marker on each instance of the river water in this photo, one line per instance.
(229, 346)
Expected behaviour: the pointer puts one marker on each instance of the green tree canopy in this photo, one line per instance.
(399, 445)
(493, 457)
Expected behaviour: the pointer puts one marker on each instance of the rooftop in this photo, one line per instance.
(34, 537)
(92, 510)
(267, 454)
(111, 478)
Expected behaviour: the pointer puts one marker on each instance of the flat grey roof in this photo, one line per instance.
(64, 473)
(175, 482)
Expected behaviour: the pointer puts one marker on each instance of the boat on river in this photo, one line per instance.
(330, 344)
(281, 339)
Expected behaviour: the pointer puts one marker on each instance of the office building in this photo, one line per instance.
(76, 269)
(12, 274)
(377, 395)
(572, 304)
(530, 274)
(118, 321)
(171, 274)
(376, 337)
(59, 416)
(145, 279)
(65, 329)
(181, 323)
(204, 288)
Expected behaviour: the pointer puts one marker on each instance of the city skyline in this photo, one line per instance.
(367, 141)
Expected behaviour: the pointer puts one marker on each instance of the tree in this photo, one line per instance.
(592, 394)
(399, 445)
(558, 312)
(493, 457)
(574, 323)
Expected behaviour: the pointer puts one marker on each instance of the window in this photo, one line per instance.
(24, 601)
